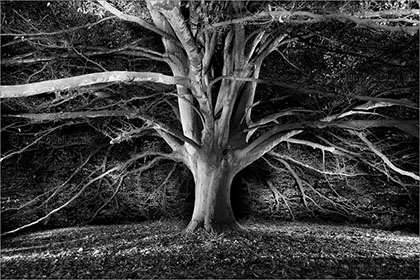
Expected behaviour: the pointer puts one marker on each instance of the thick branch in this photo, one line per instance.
(87, 80)
(76, 115)
(258, 149)
(183, 32)
(274, 136)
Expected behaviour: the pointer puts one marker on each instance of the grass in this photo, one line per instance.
(160, 250)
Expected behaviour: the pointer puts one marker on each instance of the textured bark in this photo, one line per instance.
(212, 208)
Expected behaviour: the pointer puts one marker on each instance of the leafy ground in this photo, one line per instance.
(160, 250)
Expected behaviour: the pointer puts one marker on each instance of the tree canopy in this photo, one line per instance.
(224, 84)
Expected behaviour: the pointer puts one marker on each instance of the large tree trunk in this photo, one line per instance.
(213, 177)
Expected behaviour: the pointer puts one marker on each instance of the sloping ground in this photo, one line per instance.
(159, 250)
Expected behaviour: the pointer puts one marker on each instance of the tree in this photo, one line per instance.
(215, 51)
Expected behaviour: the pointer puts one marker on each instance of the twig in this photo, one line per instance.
(111, 198)
(63, 205)
(33, 143)
(58, 32)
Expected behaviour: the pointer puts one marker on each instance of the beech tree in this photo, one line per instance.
(215, 51)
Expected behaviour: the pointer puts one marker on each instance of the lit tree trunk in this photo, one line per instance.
(217, 126)
(213, 177)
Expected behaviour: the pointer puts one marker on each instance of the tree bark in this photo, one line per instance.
(213, 177)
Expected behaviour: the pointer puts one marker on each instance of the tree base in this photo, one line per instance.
(215, 227)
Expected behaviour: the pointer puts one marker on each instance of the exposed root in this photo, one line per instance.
(192, 226)
(214, 227)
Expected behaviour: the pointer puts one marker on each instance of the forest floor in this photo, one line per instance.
(161, 250)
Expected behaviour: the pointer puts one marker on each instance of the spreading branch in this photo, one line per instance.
(385, 159)
(32, 89)
(41, 117)
(371, 20)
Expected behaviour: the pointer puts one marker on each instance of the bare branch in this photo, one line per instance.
(135, 19)
(87, 80)
(410, 127)
(307, 166)
(277, 195)
(314, 145)
(175, 133)
(298, 88)
(76, 115)
(128, 49)
(261, 146)
(22, 35)
(120, 180)
(44, 134)
(159, 126)
(300, 183)
(64, 204)
(363, 159)
(273, 118)
(305, 17)
(385, 159)
(361, 109)
(58, 188)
